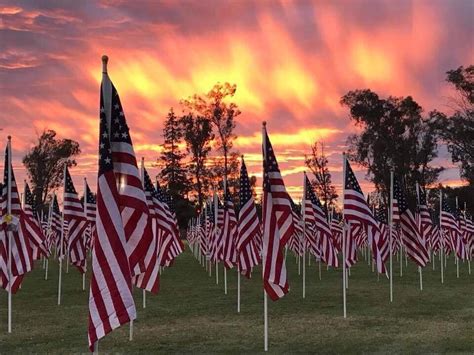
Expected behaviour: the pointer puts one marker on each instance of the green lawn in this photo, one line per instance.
(192, 314)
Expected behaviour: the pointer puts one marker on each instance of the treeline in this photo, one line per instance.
(198, 151)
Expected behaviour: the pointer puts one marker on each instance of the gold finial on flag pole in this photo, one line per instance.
(105, 60)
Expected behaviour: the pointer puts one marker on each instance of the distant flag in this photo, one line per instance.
(451, 228)
(229, 232)
(357, 210)
(425, 221)
(248, 226)
(277, 224)
(33, 225)
(316, 221)
(76, 220)
(410, 234)
(90, 208)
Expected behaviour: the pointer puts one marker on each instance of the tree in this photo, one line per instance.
(394, 136)
(173, 174)
(198, 136)
(458, 129)
(45, 163)
(222, 114)
(317, 162)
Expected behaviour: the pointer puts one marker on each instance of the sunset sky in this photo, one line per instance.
(291, 60)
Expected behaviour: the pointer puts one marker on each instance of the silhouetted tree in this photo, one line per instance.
(317, 162)
(198, 136)
(45, 163)
(173, 173)
(394, 136)
(458, 129)
(221, 113)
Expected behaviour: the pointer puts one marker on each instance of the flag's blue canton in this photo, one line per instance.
(245, 193)
(105, 153)
(351, 182)
(399, 195)
(69, 184)
(118, 125)
(310, 195)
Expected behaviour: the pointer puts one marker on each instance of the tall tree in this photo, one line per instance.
(457, 130)
(45, 163)
(198, 136)
(318, 162)
(215, 107)
(394, 135)
(173, 173)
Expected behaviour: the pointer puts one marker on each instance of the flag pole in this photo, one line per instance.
(84, 235)
(344, 163)
(390, 216)
(469, 255)
(265, 296)
(50, 210)
(142, 178)
(215, 236)
(422, 237)
(441, 233)
(303, 205)
(225, 269)
(61, 240)
(456, 254)
(9, 212)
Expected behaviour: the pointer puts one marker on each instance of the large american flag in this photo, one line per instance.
(20, 239)
(76, 220)
(357, 210)
(116, 251)
(316, 222)
(132, 202)
(410, 234)
(277, 224)
(90, 208)
(248, 226)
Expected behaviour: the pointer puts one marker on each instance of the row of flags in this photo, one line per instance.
(131, 230)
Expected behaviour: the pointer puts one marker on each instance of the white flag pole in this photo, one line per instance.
(344, 163)
(390, 221)
(441, 233)
(50, 211)
(303, 204)
(265, 297)
(225, 269)
(419, 267)
(142, 178)
(215, 236)
(455, 253)
(9, 233)
(61, 257)
(469, 256)
(84, 235)
(238, 291)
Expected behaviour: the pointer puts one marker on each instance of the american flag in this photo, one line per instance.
(410, 234)
(90, 208)
(229, 232)
(217, 246)
(210, 229)
(425, 221)
(33, 225)
(316, 222)
(76, 220)
(296, 243)
(469, 236)
(357, 210)
(110, 301)
(132, 202)
(54, 225)
(248, 226)
(382, 218)
(277, 224)
(169, 244)
(150, 279)
(336, 230)
(355, 229)
(451, 228)
(21, 250)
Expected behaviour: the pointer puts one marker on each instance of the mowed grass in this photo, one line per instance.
(191, 314)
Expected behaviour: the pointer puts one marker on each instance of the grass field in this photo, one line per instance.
(192, 314)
